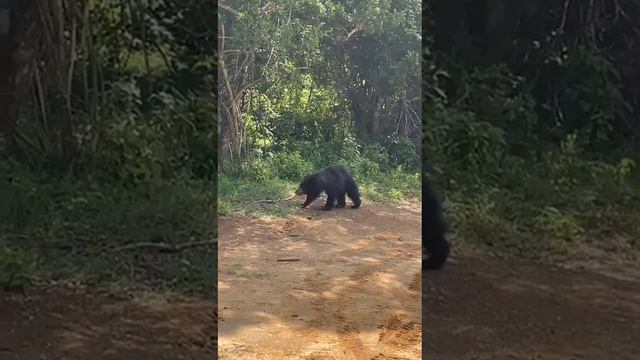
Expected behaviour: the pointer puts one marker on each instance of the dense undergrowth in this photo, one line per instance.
(525, 185)
(117, 217)
(531, 125)
(539, 207)
(278, 176)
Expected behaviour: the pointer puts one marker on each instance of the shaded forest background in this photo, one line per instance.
(108, 128)
(531, 122)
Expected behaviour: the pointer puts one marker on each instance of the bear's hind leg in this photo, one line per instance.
(331, 199)
(354, 195)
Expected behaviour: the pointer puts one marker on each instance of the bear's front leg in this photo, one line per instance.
(308, 201)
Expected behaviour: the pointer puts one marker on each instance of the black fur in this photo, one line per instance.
(336, 181)
(433, 228)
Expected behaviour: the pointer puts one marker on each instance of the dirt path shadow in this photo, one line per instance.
(489, 309)
(63, 323)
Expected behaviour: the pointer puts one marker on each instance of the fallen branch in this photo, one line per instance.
(164, 247)
(274, 201)
(291, 198)
(296, 259)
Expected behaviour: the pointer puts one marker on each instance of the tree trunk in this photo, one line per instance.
(16, 58)
(7, 108)
(359, 118)
(376, 128)
(222, 133)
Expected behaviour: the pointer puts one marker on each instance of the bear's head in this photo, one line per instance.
(307, 186)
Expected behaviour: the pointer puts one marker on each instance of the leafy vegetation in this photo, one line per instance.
(532, 127)
(110, 166)
(308, 84)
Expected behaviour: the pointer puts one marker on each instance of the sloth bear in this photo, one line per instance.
(433, 228)
(336, 181)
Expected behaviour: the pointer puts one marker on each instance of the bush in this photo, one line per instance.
(401, 153)
(525, 203)
(17, 268)
(558, 226)
(579, 93)
(462, 144)
(73, 225)
(288, 166)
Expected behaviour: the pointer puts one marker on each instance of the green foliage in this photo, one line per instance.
(394, 185)
(288, 166)
(242, 194)
(263, 196)
(321, 73)
(557, 225)
(460, 141)
(476, 217)
(524, 179)
(363, 167)
(132, 153)
(74, 225)
(401, 153)
(288, 117)
(262, 183)
(498, 97)
(140, 161)
(177, 137)
(17, 268)
(579, 92)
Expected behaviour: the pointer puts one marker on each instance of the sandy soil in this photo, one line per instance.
(352, 294)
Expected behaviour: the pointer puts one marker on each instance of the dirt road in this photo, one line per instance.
(78, 324)
(489, 309)
(352, 294)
